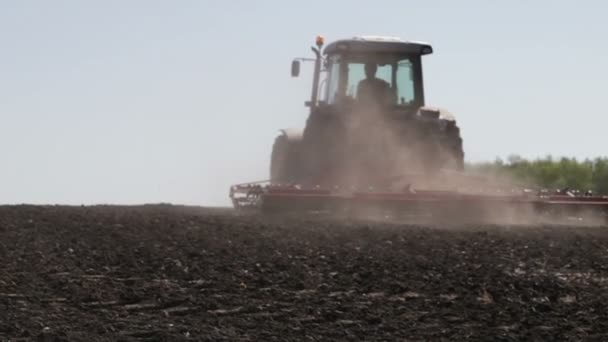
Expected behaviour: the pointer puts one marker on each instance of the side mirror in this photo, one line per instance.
(295, 68)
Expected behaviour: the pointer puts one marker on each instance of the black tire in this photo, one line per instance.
(452, 146)
(322, 151)
(436, 144)
(285, 160)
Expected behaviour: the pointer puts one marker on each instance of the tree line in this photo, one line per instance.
(551, 173)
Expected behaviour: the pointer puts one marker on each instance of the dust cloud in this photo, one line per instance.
(384, 154)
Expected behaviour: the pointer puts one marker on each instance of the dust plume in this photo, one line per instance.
(384, 154)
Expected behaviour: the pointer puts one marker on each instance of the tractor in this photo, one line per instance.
(368, 121)
(372, 148)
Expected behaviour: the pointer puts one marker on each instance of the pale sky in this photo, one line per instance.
(139, 101)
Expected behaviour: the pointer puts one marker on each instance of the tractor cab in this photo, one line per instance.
(384, 70)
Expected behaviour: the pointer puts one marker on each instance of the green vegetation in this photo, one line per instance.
(551, 173)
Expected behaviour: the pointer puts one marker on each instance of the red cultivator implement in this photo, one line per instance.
(413, 205)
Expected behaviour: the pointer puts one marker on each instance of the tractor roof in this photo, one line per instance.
(378, 44)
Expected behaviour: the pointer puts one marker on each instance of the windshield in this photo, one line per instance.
(348, 76)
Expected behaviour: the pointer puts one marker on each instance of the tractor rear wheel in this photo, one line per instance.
(285, 160)
(452, 147)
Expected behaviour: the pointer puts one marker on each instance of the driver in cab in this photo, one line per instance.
(371, 89)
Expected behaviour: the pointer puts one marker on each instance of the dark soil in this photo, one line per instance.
(166, 273)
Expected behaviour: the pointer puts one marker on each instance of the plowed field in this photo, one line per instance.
(169, 273)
